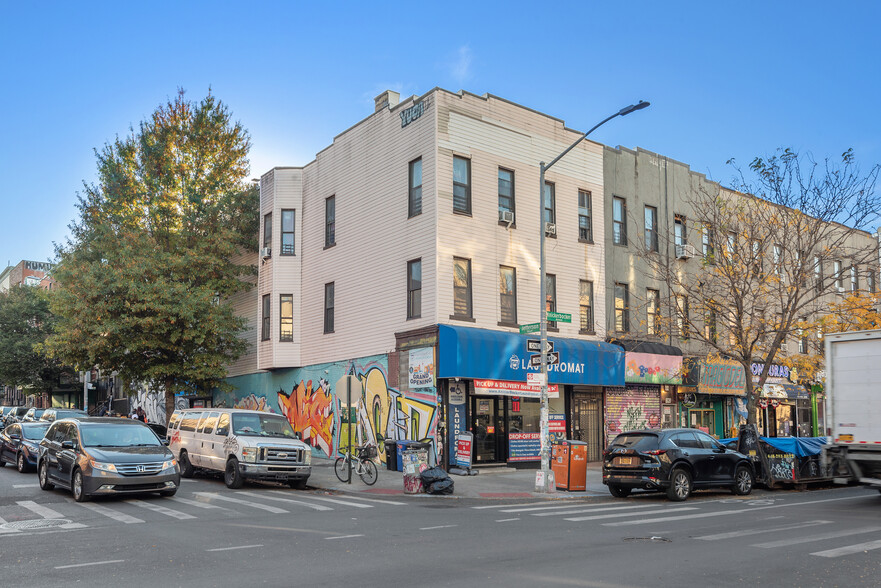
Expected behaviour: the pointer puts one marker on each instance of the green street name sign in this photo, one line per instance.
(530, 328)
(560, 317)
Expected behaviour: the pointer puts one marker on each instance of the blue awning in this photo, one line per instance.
(466, 352)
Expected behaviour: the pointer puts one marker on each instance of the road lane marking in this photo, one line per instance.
(25, 485)
(598, 508)
(437, 527)
(745, 532)
(109, 512)
(170, 512)
(215, 496)
(91, 563)
(393, 502)
(290, 500)
(722, 513)
(333, 500)
(506, 520)
(849, 550)
(236, 547)
(557, 507)
(195, 503)
(630, 514)
(48, 513)
(508, 505)
(344, 537)
(821, 537)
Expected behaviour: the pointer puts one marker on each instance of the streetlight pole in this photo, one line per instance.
(548, 484)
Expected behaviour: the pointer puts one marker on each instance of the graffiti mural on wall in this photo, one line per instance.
(253, 402)
(152, 402)
(312, 413)
(630, 409)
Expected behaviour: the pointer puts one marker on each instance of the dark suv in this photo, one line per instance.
(104, 455)
(673, 460)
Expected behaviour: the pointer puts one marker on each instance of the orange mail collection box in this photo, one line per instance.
(569, 464)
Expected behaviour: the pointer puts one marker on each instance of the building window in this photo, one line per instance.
(267, 306)
(836, 271)
(462, 185)
(549, 203)
(710, 332)
(757, 258)
(619, 221)
(328, 307)
(508, 294)
(653, 311)
(287, 231)
(682, 316)
(286, 311)
(461, 287)
(707, 244)
(802, 338)
(730, 245)
(267, 230)
(818, 274)
(585, 305)
(854, 279)
(870, 280)
(679, 237)
(778, 261)
(651, 228)
(622, 308)
(414, 206)
(414, 289)
(585, 222)
(506, 191)
(330, 222)
(551, 297)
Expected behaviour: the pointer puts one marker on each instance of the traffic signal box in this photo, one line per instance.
(569, 464)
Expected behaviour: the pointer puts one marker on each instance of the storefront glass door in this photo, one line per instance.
(587, 423)
(488, 426)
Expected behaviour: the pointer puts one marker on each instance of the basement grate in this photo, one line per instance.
(34, 524)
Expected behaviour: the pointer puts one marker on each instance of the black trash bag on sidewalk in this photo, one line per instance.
(441, 487)
(432, 475)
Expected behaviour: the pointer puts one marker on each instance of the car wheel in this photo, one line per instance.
(76, 487)
(43, 476)
(297, 484)
(680, 485)
(168, 492)
(618, 491)
(232, 476)
(20, 464)
(743, 481)
(186, 468)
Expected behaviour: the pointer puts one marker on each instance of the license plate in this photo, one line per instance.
(624, 461)
(846, 437)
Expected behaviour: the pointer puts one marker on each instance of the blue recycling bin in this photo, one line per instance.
(401, 447)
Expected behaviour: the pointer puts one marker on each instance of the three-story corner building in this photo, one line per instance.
(407, 254)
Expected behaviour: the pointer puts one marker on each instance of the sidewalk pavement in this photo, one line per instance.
(491, 482)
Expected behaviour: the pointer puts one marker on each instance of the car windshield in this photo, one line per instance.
(34, 432)
(263, 425)
(638, 442)
(118, 436)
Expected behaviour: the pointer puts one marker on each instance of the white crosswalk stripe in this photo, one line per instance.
(333, 500)
(849, 550)
(48, 513)
(176, 514)
(288, 500)
(556, 507)
(257, 505)
(812, 538)
(599, 508)
(630, 514)
(746, 532)
(196, 503)
(110, 513)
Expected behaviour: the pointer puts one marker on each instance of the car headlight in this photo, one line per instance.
(169, 464)
(308, 457)
(104, 467)
(249, 454)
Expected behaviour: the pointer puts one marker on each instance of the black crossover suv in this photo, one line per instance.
(675, 461)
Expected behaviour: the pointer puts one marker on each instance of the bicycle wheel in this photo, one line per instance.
(341, 469)
(368, 472)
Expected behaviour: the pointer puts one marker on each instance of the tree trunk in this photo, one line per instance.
(751, 397)
(169, 398)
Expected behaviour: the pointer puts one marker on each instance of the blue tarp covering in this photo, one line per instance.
(799, 446)
(467, 352)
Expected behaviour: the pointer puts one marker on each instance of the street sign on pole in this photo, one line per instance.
(534, 345)
(530, 328)
(352, 386)
(535, 379)
(560, 317)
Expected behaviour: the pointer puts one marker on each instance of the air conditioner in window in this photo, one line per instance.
(266, 253)
(551, 229)
(685, 251)
(506, 216)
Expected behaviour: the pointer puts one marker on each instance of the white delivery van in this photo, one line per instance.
(241, 444)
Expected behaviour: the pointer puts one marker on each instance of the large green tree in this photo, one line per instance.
(25, 324)
(144, 277)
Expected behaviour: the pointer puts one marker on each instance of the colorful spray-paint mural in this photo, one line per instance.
(306, 397)
(631, 408)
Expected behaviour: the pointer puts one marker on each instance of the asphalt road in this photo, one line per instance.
(267, 535)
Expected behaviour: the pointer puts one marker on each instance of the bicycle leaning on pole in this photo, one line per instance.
(361, 463)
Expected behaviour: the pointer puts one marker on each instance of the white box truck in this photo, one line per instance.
(853, 405)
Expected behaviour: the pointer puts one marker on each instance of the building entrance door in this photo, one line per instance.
(587, 423)
(488, 426)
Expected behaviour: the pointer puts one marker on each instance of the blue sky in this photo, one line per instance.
(732, 79)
